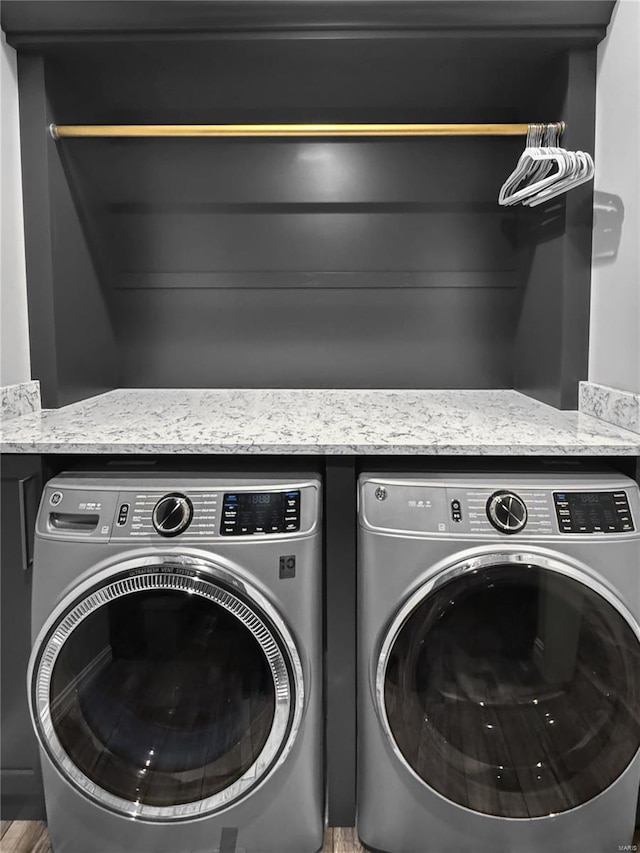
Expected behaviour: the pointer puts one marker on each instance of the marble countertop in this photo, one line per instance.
(314, 422)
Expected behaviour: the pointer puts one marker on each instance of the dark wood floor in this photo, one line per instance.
(21, 836)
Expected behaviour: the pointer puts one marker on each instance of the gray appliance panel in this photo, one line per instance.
(457, 505)
(73, 510)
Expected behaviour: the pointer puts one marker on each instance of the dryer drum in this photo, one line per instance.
(513, 690)
(165, 695)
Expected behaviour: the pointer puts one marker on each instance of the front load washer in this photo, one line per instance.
(175, 682)
(499, 662)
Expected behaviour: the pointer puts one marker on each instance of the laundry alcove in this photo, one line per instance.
(307, 262)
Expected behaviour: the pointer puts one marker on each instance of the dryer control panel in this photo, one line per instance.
(593, 512)
(510, 506)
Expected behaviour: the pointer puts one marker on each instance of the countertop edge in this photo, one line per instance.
(382, 422)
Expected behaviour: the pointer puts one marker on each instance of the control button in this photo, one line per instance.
(230, 513)
(275, 528)
(259, 529)
(228, 530)
(123, 514)
(245, 530)
(612, 528)
(620, 495)
(172, 514)
(291, 502)
(456, 511)
(627, 526)
(292, 526)
(507, 512)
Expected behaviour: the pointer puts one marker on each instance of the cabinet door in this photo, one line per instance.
(21, 782)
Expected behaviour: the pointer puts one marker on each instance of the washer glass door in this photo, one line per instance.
(512, 687)
(165, 695)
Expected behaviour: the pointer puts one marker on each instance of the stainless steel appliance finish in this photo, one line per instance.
(499, 662)
(175, 680)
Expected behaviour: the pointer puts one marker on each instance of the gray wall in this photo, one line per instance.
(300, 263)
(14, 331)
(614, 352)
(615, 314)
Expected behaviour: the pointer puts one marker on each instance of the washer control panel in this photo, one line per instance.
(190, 509)
(249, 513)
(593, 512)
(168, 514)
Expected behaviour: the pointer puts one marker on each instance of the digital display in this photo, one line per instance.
(249, 513)
(593, 512)
(261, 499)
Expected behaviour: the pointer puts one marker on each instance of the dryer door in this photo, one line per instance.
(166, 693)
(510, 684)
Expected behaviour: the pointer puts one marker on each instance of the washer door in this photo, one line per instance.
(510, 684)
(166, 693)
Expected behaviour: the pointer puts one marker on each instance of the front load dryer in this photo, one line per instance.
(175, 681)
(499, 662)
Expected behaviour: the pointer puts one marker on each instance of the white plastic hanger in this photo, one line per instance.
(525, 167)
(583, 172)
(534, 166)
(532, 182)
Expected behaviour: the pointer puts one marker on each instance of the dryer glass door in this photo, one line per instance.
(165, 696)
(513, 688)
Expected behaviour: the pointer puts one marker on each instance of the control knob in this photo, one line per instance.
(507, 511)
(172, 514)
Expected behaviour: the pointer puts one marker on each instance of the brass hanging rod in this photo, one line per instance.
(60, 131)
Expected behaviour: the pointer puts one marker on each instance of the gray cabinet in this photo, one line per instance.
(20, 783)
(302, 262)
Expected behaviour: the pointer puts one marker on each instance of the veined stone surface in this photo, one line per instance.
(230, 421)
